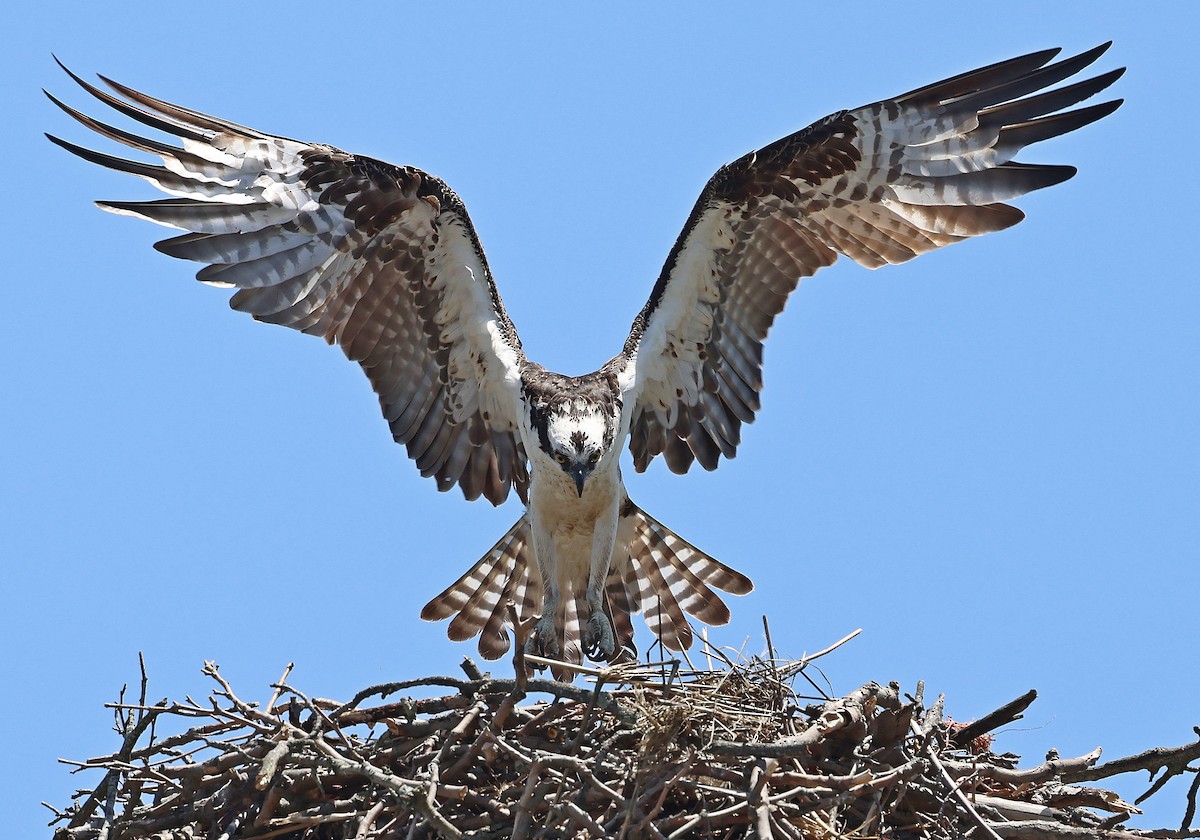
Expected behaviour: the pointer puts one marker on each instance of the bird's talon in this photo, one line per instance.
(543, 641)
(598, 641)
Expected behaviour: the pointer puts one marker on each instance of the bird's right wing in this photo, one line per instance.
(379, 259)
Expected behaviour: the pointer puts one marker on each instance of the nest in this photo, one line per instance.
(731, 750)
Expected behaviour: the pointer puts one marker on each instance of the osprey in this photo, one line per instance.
(383, 261)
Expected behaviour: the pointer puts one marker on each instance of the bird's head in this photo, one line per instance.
(577, 436)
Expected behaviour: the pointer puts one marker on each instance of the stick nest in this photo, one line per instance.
(645, 751)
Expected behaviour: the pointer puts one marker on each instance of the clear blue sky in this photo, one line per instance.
(987, 459)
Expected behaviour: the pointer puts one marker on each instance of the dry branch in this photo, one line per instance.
(645, 751)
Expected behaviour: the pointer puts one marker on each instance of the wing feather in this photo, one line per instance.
(881, 184)
(379, 259)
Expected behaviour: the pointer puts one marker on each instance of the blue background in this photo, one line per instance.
(986, 458)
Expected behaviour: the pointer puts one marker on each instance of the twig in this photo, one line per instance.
(767, 635)
(278, 686)
(1000, 717)
(811, 657)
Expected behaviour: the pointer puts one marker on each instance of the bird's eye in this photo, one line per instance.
(595, 457)
(561, 458)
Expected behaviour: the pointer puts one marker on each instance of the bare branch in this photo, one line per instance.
(1006, 714)
(1172, 759)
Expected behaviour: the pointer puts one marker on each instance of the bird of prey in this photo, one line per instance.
(383, 261)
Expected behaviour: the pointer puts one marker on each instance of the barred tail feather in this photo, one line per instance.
(488, 596)
(477, 601)
(629, 572)
(494, 640)
(570, 632)
(707, 569)
(693, 596)
(660, 607)
(618, 608)
(665, 577)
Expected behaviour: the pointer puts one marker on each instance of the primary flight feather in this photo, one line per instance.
(383, 261)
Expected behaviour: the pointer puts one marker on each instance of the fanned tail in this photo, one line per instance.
(654, 571)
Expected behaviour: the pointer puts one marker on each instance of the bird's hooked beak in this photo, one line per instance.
(579, 473)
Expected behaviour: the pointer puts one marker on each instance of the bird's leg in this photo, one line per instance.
(543, 641)
(599, 642)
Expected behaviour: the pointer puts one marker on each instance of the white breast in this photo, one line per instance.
(555, 504)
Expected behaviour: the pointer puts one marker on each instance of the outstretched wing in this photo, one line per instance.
(379, 259)
(880, 184)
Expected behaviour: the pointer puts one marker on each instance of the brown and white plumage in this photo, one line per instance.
(879, 184)
(383, 261)
(379, 259)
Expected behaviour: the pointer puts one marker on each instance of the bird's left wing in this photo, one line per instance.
(379, 259)
(880, 184)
